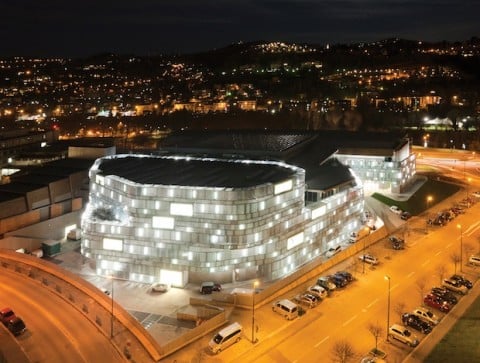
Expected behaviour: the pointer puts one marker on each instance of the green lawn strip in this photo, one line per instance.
(461, 343)
(417, 203)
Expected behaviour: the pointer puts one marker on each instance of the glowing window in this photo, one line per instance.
(318, 212)
(99, 179)
(113, 244)
(181, 209)
(283, 187)
(163, 222)
(295, 240)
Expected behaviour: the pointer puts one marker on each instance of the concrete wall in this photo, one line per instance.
(15, 205)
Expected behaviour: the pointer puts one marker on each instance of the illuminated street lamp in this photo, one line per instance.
(255, 284)
(364, 241)
(429, 199)
(388, 304)
(459, 226)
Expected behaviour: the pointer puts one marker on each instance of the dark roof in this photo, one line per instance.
(37, 179)
(193, 172)
(19, 188)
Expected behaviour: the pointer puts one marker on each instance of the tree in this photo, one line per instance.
(342, 352)
(441, 270)
(421, 287)
(400, 308)
(376, 330)
(455, 258)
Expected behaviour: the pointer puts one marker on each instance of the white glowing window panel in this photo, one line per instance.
(145, 211)
(218, 232)
(131, 249)
(244, 253)
(287, 224)
(140, 232)
(189, 229)
(112, 195)
(112, 229)
(144, 191)
(194, 193)
(277, 216)
(295, 240)
(146, 251)
(102, 228)
(163, 222)
(270, 224)
(132, 203)
(283, 187)
(241, 226)
(261, 205)
(257, 237)
(120, 198)
(94, 187)
(260, 250)
(206, 225)
(181, 209)
(212, 269)
(217, 209)
(99, 179)
(171, 193)
(113, 244)
(124, 187)
(202, 208)
(174, 278)
(102, 190)
(157, 204)
(284, 204)
(160, 245)
(174, 261)
(215, 195)
(278, 200)
(214, 239)
(178, 236)
(219, 256)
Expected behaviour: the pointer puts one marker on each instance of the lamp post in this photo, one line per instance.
(255, 284)
(388, 304)
(459, 226)
(364, 242)
(429, 199)
(111, 311)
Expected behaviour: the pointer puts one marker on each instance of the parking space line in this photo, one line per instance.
(349, 320)
(321, 341)
(439, 252)
(426, 262)
(372, 303)
(411, 274)
(448, 245)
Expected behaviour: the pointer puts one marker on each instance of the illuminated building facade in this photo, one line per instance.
(180, 219)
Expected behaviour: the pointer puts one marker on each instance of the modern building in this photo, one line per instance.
(180, 219)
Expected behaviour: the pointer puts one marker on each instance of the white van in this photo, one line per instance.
(286, 308)
(474, 260)
(225, 338)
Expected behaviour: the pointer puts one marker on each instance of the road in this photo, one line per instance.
(56, 331)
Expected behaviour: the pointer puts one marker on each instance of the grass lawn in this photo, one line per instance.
(461, 342)
(418, 202)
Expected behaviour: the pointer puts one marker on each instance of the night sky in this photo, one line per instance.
(78, 28)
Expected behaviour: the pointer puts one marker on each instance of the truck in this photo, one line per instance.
(51, 248)
(74, 234)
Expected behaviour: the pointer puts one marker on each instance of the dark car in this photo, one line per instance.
(338, 280)
(397, 242)
(209, 287)
(346, 275)
(16, 326)
(444, 294)
(462, 280)
(416, 322)
(437, 303)
(405, 215)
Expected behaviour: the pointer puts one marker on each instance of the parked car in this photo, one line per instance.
(209, 287)
(318, 291)
(346, 275)
(6, 314)
(405, 215)
(368, 258)
(474, 260)
(444, 294)
(403, 335)
(325, 282)
(437, 303)
(307, 299)
(397, 242)
(455, 286)
(416, 323)
(338, 280)
(461, 279)
(426, 314)
(16, 326)
(333, 251)
(395, 209)
(159, 287)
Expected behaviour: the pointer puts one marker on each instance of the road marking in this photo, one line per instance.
(411, 274)
(394, 287)
(425, 263)
(372, 303)
(448, 246)
(439, 252)
(321, 341)
(349, 320)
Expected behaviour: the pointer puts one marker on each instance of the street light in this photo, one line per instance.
(111, 311)
(255, 284)
(459, 226)
(364, 241)
(429, 199)
(388, 304)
